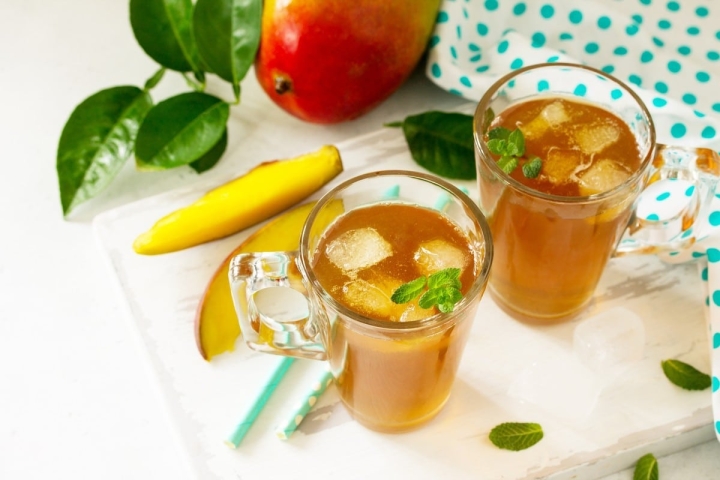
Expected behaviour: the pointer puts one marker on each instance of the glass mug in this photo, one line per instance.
(390, 375)
(551, 250)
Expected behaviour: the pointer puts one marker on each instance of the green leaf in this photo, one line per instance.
(507, 164)
(646, 468)
(532, 168)
(685, 376)
(516, 143)
(498, 146)
(227, 33)
(498, 133)
(180, 130)
(445, 277)
(408, 291)
(446, 296)
(163, 28)
(154, 80)
(442, 143)
(516, 436)
(96, 141)
(210, 159)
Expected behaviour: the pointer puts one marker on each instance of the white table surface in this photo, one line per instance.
(75, 397)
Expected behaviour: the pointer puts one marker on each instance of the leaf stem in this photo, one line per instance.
(197, 86)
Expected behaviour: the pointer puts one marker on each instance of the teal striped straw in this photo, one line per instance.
(233, 441)
(296, 416)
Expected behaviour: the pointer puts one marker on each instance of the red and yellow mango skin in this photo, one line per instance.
(327, 61)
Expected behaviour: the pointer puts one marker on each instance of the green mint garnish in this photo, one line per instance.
(646, 468)
(685, 376)
(510, 145)
(531, 169)
(443, 290)
(516, 436)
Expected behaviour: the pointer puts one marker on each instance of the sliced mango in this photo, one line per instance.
(216, 325)
(264, 191)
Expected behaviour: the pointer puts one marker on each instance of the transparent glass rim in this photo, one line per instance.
(433, 321)
(486, 156)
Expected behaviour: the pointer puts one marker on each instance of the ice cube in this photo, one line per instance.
(413, 311)
(610, 342)
(357, 249)
(601, 176)
(550, 116)
(595, 138)
(558, 385)
(369, 299)
(436, 255)
(560, 164)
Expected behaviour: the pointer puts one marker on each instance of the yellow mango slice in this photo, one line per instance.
(264, 191)
(216, 325)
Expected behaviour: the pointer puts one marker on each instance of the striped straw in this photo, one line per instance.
(297, 414)
(233, 441)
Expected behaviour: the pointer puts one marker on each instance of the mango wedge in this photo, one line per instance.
(264, 191)
(216, 325)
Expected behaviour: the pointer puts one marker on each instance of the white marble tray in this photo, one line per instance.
(602, 423)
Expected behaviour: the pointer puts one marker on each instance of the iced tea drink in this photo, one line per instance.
(549, 261)
(393, 382)
(393, 358)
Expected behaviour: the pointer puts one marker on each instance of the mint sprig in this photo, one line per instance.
(510, 146)
(516, 436)
(646, 468)
(685, 376)
(441, 289)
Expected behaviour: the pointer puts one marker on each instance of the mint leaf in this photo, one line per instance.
(532, 168)
(448, 276)
(447, 296)
(408, 291)
(685, 376)
(497, 146)
(516, 143)
(507, 164)
(501, 133)
(516, 436)
(646, 468)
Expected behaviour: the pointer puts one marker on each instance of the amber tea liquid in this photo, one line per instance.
(549, 255)
(392, 380)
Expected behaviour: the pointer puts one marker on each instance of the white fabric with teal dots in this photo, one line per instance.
(667, 51)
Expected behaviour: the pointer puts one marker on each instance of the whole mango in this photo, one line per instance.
(327, 61)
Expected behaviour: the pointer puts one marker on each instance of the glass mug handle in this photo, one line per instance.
(699, 166)
(272, 305)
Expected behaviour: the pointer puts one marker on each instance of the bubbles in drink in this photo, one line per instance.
(358, 249)
(601, 176)
(551, 116)
(438, 255)
(595, 138)
(561, 164)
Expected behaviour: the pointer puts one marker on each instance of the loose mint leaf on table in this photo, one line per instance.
(227, 33)
(685, 376)
(646, 468)
(96, 141)
(516, 436)
(210, 159)
(163, 28)
(180, 130)
(441, 142)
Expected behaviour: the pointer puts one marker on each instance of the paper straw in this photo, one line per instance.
(296, 416)
(233, 441)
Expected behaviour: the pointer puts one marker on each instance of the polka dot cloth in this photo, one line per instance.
(667, 51)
